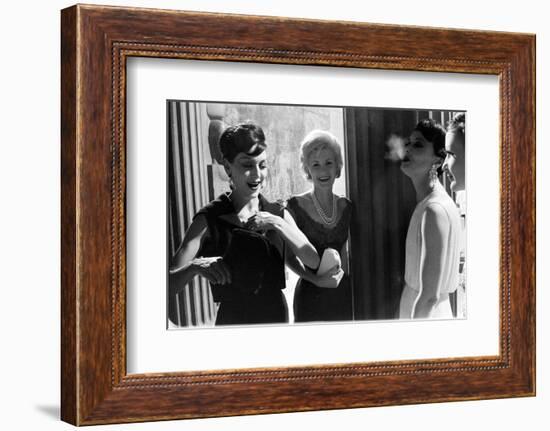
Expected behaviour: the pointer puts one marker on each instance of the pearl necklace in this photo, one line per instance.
(326, 219)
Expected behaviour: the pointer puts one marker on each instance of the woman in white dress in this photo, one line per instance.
(432, 245)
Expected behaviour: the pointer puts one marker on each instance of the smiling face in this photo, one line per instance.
(322, 168)
(456, 159)
(248, 174)
(419, 156)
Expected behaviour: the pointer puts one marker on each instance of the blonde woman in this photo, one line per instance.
(324, 218)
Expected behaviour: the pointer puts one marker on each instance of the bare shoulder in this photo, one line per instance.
(343, 203)
(436, 218)
(435, 210)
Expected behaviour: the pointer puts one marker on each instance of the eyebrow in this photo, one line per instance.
(247, 158)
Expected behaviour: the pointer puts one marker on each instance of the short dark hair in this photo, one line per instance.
(457, 123)
(245, 138)
(435, 133)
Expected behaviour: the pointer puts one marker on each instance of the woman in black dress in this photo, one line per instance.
(240, 240)
(324, 218)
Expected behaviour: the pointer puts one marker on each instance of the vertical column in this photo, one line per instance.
(215, 171)
(193, 136)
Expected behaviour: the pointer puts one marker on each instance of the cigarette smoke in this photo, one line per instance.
(395, 148)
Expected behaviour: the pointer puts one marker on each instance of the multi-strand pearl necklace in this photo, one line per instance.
(326, 219)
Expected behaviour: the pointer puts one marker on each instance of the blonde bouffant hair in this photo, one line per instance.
(318, 140)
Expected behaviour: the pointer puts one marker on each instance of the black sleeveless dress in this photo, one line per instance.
(257, 267)
(313, 303)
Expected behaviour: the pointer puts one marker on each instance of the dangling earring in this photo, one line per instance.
(432, 174)
(231, 185)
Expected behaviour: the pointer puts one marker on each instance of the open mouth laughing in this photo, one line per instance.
(254, 185)
(324, 179)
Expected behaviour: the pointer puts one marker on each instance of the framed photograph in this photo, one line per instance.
(372, 160)
(267, 215)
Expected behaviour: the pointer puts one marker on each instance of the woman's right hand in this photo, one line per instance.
(331, 279)
(214, 269)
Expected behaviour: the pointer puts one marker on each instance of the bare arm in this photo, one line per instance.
(286, 227)
(435, 231)
(298, 267)
(330, 280)
(298, 242)
(187, 265)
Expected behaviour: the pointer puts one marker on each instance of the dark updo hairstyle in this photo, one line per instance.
(243, 138)
(457, 124)
(435, 133)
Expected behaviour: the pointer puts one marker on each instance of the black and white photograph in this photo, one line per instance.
(265, 216)
(295, 214)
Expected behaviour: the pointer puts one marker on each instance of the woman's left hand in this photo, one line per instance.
(262, 221)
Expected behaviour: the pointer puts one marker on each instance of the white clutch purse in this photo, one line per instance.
(329, 260)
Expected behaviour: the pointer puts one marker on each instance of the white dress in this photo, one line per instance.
(414, 256)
